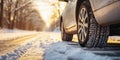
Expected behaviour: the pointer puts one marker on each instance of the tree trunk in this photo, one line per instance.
(9, 14)
(1, 13)
(14, 17)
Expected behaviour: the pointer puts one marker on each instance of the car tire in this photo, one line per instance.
(64, 35)
(90, 33)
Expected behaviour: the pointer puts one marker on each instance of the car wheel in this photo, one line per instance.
(90, 33)
(64, 35)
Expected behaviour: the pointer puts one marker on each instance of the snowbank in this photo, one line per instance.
(62, 51)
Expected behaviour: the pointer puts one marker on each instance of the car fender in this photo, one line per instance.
(106, 12)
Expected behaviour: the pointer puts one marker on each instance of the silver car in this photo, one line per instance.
(92, 20)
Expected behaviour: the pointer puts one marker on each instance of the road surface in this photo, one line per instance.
(48, 46)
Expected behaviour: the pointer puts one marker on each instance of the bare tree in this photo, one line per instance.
(56, 15)
(21, 9)
(20, 14)
(14, 17)
(12, 10)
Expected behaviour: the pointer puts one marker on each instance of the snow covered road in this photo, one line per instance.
(28, 47)
(48, 46)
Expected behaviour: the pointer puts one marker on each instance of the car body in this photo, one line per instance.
(105, 12)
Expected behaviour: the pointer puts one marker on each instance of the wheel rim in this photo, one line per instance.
(82, 25)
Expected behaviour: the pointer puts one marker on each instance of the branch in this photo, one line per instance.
(22, 6)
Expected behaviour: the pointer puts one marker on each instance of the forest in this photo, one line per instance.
(22, 14)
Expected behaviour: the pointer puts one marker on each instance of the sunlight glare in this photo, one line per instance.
(45, 9)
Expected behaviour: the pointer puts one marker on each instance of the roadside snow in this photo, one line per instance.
(55, 51)
(13, 31)
(7, 34)
(62, 51)
(57, 29)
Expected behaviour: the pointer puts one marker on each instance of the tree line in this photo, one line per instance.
(19, 14)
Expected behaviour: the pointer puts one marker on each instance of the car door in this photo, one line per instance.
(69, 14)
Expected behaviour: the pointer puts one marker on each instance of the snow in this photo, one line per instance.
(13, 31)
(46, 46)
(62, 51)
(7, 34)
(57, 29)
(30, 49)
